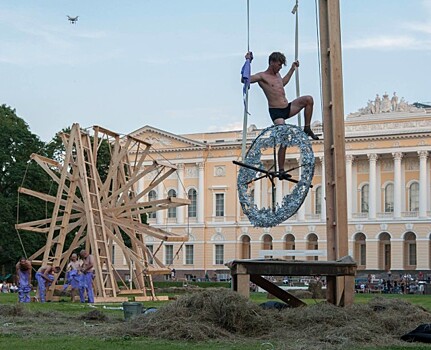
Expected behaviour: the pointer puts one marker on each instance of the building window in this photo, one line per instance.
(360, 249)
(172, 212)
(150, 259)
(289, 244)
(245, 247)
(410, 249)
(169, 254)
(152, 196)
(364, 198)
(219, 204)
(389, 198)
(189, 254)
(219, 254)
(414, 197)
(312, 244)
(318, 201)
(192, 194)
(113, 255)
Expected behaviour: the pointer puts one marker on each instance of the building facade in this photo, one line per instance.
(388, 195)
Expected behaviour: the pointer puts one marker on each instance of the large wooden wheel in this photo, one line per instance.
(97, 211)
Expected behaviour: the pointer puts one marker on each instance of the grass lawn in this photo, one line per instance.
(48, 340)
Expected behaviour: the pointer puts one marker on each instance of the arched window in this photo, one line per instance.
(245, 247)
(152, 196)
(318, 200)
(267, 244)
(312, 244)
(389, 198)
(364, 198)
(172, 212)
(192, 194)
(360, 250)
(410, 254)
(289, 244)
(414, 197)
(384, 251)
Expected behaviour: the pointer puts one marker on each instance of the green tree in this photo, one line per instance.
(17, 143)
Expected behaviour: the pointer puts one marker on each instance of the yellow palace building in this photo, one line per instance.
(388, 192)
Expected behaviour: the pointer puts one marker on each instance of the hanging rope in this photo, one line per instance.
(245, 72)
(298, 93)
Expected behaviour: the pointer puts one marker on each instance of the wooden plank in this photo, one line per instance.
(110, 299)
(276, 291)
(293, 268)
(130, 292)
(149, 298)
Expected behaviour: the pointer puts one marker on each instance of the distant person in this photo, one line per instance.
(44, 277)
(280, 109)
(72, 276)
(86, 278)
(23, 275)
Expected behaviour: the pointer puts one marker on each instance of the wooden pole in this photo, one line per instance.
(340, 289)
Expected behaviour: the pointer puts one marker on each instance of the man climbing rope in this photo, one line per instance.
(272, 84)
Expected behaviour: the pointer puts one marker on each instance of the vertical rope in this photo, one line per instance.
(298, 93)
(318, 55)
(244, 124)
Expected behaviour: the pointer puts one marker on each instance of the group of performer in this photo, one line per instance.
(79, 277)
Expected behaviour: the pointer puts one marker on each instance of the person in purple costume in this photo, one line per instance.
(23, 273)
(72, 276)
(87, 274)
(44, 277)
(280, 109)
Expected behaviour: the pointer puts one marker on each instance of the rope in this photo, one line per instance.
(318, 55)
(295, 12)
(244, 125)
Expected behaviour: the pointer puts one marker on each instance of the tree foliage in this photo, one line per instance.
(17, 144)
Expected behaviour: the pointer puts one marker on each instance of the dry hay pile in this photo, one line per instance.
(223, 314)
(213, 313)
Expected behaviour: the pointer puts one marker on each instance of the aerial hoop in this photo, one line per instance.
(252, 169)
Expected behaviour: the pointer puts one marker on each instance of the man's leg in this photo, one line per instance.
(41, 282)
(306, 103)
(281, 155)
(90, 292)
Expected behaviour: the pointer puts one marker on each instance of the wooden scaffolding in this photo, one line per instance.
(97, 210)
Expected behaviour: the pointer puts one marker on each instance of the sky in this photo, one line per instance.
(175, 65)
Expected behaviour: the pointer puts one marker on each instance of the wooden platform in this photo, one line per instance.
(251, 270)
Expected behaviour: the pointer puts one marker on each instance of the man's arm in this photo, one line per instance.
(289, 74)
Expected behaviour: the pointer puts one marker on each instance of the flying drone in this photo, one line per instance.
(72, 20)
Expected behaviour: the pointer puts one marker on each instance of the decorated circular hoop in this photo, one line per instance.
(274, 136)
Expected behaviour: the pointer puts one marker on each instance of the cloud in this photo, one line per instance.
(223, 127)
(387, 42)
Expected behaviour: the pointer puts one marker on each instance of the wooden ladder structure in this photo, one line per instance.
(99, 209)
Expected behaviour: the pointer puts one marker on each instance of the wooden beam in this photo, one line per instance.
(276, 291)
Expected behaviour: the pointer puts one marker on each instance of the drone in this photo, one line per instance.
(72, 20)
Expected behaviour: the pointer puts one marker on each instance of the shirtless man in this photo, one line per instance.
(86, 280)
(44, 277)
(272, 84)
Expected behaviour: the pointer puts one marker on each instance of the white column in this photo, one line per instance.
(264, 198)
(279, 191)
(257, 192)
(180, 193)
(423, 188)
(397, 184)
(372, 186)
(160, 195)
(349, 162)
(201, 193)
(301, 211)
(323, 204)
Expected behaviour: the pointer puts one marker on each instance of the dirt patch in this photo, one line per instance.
(94, 315)
(12, 310)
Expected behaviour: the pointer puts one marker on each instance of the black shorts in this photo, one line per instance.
(277, 113)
